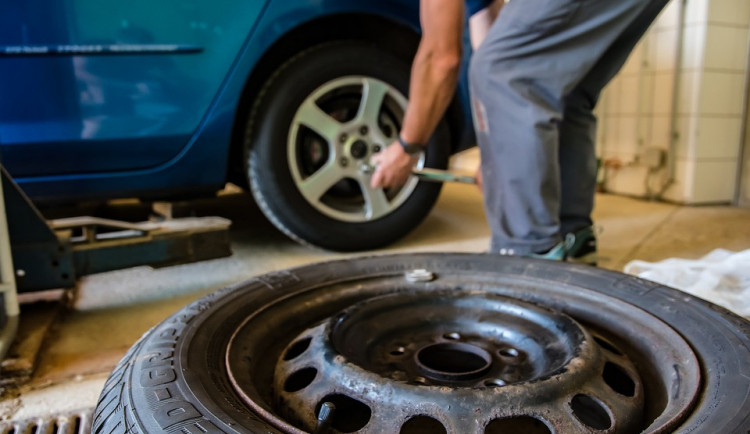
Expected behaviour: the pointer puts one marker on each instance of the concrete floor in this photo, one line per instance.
(109, 311)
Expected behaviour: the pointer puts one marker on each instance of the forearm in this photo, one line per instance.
(432, 85)
(435, 69)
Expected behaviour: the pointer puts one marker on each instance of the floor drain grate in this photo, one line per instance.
(74, 422)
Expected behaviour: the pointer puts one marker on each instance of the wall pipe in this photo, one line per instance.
(673, 129)
(740, 193)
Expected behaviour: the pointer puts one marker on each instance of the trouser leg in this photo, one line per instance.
(538, 52)
(577, 131)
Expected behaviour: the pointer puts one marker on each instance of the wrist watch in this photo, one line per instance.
(410, 148)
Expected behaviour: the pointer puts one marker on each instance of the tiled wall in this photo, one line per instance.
(636, 110)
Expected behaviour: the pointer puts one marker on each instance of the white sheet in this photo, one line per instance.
(721, 277)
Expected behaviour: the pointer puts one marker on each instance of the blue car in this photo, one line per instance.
(156, 100)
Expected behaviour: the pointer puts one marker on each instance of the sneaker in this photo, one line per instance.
(581, 246)
(558, 252)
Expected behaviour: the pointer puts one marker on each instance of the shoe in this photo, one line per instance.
(581, 246)
(558, 252)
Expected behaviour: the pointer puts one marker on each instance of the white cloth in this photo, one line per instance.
(721, 277)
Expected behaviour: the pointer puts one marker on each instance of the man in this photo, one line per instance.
(535, 81)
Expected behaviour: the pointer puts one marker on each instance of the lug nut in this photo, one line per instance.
(363, 130)
(343, 137)
(344, 162)
(376, 148)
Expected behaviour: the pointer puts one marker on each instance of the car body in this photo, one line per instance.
(105, 100)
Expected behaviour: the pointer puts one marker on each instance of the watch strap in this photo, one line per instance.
(410, 148)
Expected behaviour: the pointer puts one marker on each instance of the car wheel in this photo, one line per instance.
(455, 343)
(309, 140)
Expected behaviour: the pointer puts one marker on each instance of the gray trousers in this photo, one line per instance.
(535, 81)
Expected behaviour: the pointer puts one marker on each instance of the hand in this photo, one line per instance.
(393, 167)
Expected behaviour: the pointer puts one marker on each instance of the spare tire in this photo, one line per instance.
(437, 343)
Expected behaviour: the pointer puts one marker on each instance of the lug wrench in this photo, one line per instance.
(431, 175)
(437, 175)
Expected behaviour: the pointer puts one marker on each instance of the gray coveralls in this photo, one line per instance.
(535, 81)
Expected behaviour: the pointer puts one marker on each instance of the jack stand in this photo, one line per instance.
(52, 254)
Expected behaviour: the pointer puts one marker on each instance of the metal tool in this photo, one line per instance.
(436, 175)
(430, 175)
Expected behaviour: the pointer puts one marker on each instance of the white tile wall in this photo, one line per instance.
(662, 95)
(660, 130)
(726, 47)
(646, 94)
(661, 134)
(714, 181)
(722, 93)
(664, 54)
(711, 99)
(669, 17)
(628, 134)
(689, 102)
(718, 138)
(636, 60)
(735, 12)
(629, 92)
(627, 180)
(681, 189)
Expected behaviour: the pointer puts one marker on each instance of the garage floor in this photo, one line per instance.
(79, 345)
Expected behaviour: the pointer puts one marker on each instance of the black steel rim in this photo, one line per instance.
(460, 352)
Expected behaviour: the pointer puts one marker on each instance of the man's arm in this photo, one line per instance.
(433, 81)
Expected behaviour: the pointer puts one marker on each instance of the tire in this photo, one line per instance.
(211, 367)
(307, 174)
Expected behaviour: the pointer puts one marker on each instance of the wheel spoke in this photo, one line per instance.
(376, 202)
(373, 92)
(316, 119)
(316, 185)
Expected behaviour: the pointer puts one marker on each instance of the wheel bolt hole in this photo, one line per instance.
(300, 379)
(618, 379)
(524, 424)
(297, 349)
(350, 415)
(453, 336)
(422, 424)
(590, 412)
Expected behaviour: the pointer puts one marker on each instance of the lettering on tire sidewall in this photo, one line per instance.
(155, 377)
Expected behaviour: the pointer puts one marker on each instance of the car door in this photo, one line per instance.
(96, 86)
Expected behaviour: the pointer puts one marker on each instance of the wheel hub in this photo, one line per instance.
(358, 150)
(485, 357)
(452, 362)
